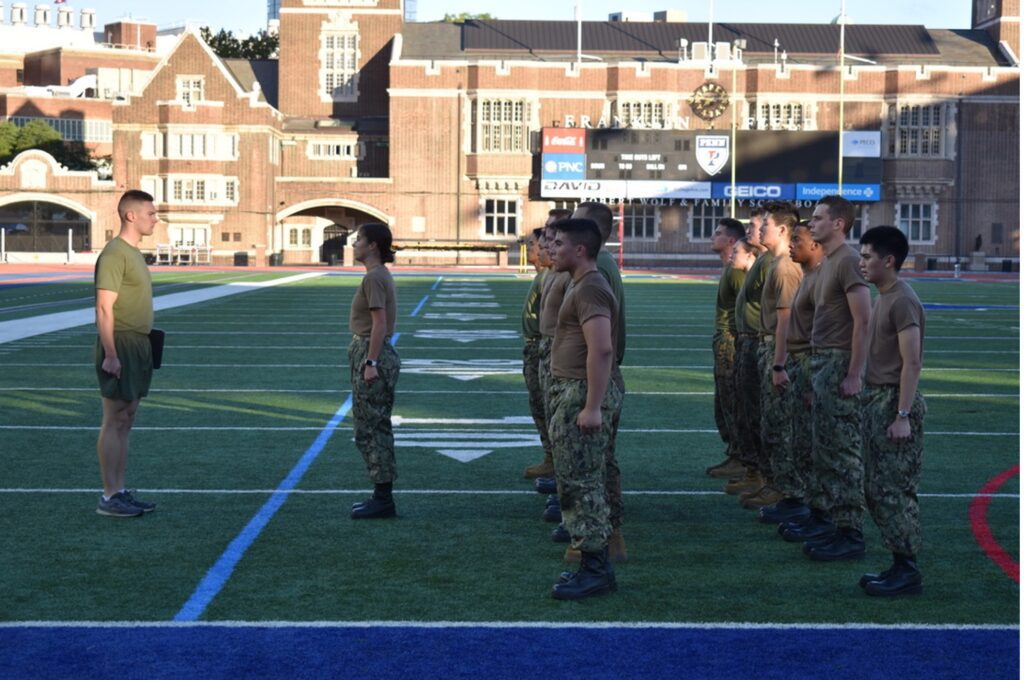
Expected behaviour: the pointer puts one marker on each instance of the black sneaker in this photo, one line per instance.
(552, 514)
(142, 505)
(560, 535)
(118, 506)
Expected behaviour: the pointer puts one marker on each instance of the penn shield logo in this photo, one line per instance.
(712, 153)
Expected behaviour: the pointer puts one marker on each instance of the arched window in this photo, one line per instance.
(36, 227)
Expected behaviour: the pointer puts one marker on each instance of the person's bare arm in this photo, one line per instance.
(859, 300)
(105, 300)
(780, 379)
(597, 332)
(910, 353)
(377, 332)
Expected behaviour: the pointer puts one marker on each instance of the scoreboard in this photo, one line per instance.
(625, 164)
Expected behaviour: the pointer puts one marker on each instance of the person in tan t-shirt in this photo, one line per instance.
(374, 367)
(584, 400)
(893, 412)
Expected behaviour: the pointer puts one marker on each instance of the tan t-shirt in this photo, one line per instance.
(833, 322)
(585, 299)
(780, 286)
(551, 301)
(122, 269)
(895, 310)
(801, 313)
(376, 291)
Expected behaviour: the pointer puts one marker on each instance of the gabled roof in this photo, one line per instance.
(804, 43)
(263, 71)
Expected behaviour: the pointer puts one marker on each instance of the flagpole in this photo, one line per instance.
(579, 34)
(842, 86)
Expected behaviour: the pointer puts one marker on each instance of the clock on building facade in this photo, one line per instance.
(709, 101)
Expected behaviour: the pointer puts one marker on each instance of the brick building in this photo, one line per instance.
(437, 129)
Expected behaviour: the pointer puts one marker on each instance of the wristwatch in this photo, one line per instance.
(778, 368)
(371, 363)
(903, 414)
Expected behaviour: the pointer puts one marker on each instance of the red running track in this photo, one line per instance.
(978, 514)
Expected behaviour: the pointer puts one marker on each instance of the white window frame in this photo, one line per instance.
(631, 211)
(862, 216)
(200, 190)
(334, 150)
(189, 90)
(339, 64)
(189, 145)
(783, 114)
(918, 129)
(692, 218)
(502, 125)
(188, 234)
(645, 114)
(503, 215)
(907, 224)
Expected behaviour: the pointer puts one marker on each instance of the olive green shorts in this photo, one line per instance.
(136, 355)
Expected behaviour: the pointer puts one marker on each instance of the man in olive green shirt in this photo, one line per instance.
(538, 257)
(124, 360)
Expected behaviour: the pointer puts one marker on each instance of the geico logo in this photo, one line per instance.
(754, 192)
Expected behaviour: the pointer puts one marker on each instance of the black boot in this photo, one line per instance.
(560, 535)
(545, 485)
(595, 577)
(786, 510)
(378, 506)
(817, 525)
(552, 510)
(903, 578)
(881, 576)
(848, 544)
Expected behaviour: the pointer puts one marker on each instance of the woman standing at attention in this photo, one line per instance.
(374, 367)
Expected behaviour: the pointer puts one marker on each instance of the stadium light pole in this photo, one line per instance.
(842, 87)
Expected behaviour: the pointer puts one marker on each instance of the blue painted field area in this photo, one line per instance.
(506, 652)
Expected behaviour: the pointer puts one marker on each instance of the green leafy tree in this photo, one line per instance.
(468, 16)
(38, 135)
(226, 45)
(8, 137)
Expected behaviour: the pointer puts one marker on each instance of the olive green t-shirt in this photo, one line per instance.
(551, 301)
(531, 307)
(801, 313)
(780, 284)
(728, 288)
(376, 291)
(748, 300)
(833, 321)
(895, 310)
(606, 265)
(122, 269)
(585, 299)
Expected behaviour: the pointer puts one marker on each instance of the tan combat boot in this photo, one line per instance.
(730, 468)
(768, 495)
(752, 481)
(545, 468)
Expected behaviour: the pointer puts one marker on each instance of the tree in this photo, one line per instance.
(225, 45)
(468, 16)
(38, 135)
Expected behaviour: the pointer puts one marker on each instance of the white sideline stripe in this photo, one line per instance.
(547, 625)
(260, 390)
(19, 329)
(434, 492)
(300, 428)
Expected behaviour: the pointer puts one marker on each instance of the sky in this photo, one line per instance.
(247, 16)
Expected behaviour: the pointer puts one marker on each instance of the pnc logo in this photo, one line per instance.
(554, 167)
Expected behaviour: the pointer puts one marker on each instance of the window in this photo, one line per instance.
(73, 129)
(293, 237)
(644, 114)
(339, 65)
(997, 233)
(199, 145)
(853, 236)
(238, 236)
(225, 236)
(704, 219)
(231, 190)
(500, 216)
(640, 222)
(780, 116)
(916, 130)
(501, 126)
(917, 221)
(190, 90)
(307, 237)
(188, 236)
(208, 190)
(332, 150)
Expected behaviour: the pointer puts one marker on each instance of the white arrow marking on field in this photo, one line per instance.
(465, 296)
(463, 369)
(464, 304)
(459, 316)
(465, 336)
(465, 446)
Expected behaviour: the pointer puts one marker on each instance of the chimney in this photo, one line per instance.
(1, 12)
(65, 18)
(18, 12)
(42, 15)
(88, 19)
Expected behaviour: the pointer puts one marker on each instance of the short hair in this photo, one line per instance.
(755, 211)
(601, 215)
(581, 232)
(538, 232)
(886, 241)
(128, 198)
(746, 246)
(839, 208)
(733, 228)
(560, 213)
(784, 214)
(379, 233)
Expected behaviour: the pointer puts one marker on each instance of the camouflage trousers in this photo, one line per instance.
(796, 468)
(836, 447)
(776, 423)
(747, 397)
(544, 374)
(892, 470)
(531, 373)
(581, 462)
(371, 408)
(723, 347)
(613, 476)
